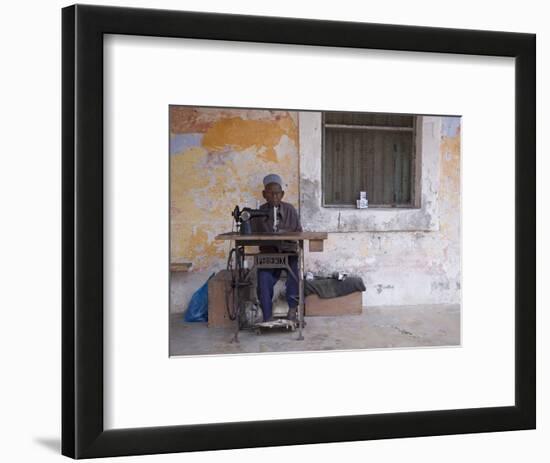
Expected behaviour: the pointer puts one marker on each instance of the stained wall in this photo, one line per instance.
(218, 158)
(405, 257)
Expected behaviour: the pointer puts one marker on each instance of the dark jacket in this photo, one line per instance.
(289, 221)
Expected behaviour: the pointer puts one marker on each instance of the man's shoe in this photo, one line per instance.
(291, 314)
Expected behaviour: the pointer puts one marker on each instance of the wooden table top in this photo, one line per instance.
(282, 236)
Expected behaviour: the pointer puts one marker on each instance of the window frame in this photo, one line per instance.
(416, 159)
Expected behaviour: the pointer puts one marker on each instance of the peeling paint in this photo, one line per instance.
(218, 160)
(182, 142)
(450, 126)
(239, 134)
(406, 258)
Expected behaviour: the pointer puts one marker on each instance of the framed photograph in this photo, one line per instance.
(284, 231)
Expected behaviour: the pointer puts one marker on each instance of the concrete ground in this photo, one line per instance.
(375, 328)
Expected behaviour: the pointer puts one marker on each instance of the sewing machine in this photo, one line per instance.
(241, 302)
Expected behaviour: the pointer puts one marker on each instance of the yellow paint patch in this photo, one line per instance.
(450, 159)
(450, 187)
(239, 135)
(450, 169)
(186, 165)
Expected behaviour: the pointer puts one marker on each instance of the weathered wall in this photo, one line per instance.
(349, 219)
(418, 266)
(218, 158)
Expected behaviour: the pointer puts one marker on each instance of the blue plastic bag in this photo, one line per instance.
(197, 310)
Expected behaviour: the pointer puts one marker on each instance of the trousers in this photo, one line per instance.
(266, 282)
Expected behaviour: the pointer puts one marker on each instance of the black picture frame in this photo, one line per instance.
(83, 433)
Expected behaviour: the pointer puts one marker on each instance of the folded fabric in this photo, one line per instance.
(329, 287)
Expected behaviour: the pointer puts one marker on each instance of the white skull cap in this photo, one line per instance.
(272, 178)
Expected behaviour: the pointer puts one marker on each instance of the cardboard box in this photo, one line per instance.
(351, 304)
(217, 311)
(315, 245)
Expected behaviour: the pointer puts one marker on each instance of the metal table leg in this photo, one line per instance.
(236, 294)
(300, 290)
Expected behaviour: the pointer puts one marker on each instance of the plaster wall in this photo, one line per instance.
(405, 256)
(219, 157)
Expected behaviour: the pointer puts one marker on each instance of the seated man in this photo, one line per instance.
(289, 221)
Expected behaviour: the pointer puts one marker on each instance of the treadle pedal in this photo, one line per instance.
(277, 323)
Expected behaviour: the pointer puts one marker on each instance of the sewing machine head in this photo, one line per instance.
(244, 216)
